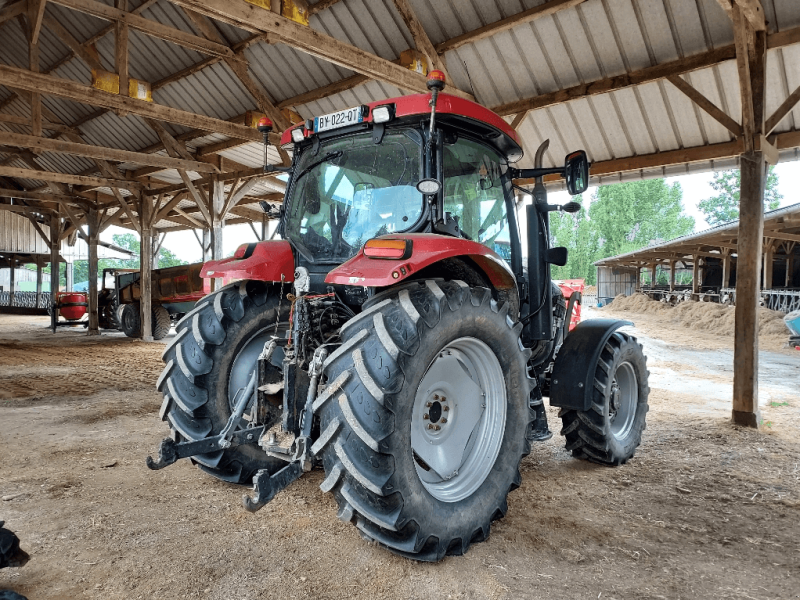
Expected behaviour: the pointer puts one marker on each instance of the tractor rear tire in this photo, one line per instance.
(378, 413)
(611, 430)
(107, 308)
(214, 352)
(160, 323)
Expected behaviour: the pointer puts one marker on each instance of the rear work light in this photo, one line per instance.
(388, 249)
(382, 114)
(298, 135)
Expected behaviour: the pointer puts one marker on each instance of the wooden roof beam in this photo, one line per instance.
(47, 125)
(66, 178)
(420, 36)
(148, 27)
(782, 111)
(526, 16)
(35, 14)
(646, 75)
(240, 13)
(102, 153)
(13, 10)
(709, 107)
(46, 84)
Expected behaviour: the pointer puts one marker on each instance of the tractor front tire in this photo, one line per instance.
(423, 418)
(611, 430)
(130, 321)
(211, 358)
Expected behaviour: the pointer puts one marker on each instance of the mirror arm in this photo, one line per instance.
(534, 173)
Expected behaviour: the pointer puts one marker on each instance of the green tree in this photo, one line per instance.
(629, 216)
(724, 207)
(575, 232)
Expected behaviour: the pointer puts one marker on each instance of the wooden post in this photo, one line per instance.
(769, 260)
(38, 283)
(726, 268)
(36, 98)
(55, 236)
(695, 274)
(121, 50)
(69, 276)
(653, 274)
(264, 226)
(146, 271)
(672, 276)
(206, 244)
(93, 223)
(217, 201)
(12, 283)
(745, 350)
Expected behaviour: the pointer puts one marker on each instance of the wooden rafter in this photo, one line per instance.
(148, 27)
(35, 14)
(420, 36)
(47, 125)
(121, 49)
(49, 145)
(36, 82)
(709, 107)
(66, 178)
(782, 111)
(13, 10)
(87, 53)
(257, 20)
(543, 10)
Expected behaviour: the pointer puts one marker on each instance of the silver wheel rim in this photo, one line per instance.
(623, 401)
(458, 420)
(246, 362)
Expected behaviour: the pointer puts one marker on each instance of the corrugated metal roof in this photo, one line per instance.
(594, 40)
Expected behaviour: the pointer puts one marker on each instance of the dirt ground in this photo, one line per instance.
(704, 510)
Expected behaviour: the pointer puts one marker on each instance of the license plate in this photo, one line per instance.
(342, 118)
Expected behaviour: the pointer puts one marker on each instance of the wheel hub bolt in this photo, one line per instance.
(445, 408)
(443, 421)
(434, 427)
(426, 416)
(429, 404)
(435, 397)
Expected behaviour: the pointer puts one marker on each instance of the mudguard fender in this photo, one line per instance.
(572, 380)
(427, 249)
(263, 261)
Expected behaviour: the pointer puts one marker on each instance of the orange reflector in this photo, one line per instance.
(392, 249)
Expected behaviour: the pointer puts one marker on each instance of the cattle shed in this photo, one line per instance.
(649, 89)
(711, 256)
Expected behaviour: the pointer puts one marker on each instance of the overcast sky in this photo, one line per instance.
(695, 188)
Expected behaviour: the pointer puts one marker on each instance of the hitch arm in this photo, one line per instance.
(169, 451)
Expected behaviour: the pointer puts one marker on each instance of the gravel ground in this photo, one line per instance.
(704, 510)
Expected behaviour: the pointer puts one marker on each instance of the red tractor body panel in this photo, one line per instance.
(428, 248)
(263, 261)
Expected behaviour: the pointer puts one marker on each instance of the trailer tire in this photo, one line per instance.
(161, 322)
(215, 349)
(611, 430)
(130, 320)
(378, 405)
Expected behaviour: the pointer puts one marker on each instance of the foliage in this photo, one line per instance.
(724, 207)
(574, 232)
(622, 218)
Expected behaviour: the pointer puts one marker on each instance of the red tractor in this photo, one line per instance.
(399, 336)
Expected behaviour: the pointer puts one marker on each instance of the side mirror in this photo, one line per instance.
(556, 256)
(576, 172)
